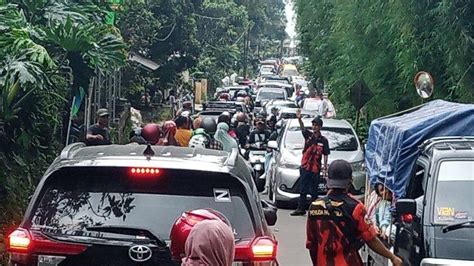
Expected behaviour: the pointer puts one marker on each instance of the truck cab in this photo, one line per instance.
(435, 218)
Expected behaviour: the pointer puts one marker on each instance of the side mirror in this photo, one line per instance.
(405, 206)
(270, 212)
(272, 144)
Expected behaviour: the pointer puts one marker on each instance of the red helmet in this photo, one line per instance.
(183, 225)
(224, 96)
(151, 133)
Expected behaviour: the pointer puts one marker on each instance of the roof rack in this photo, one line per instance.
(68, 151)
(232, 158)
(427, 144)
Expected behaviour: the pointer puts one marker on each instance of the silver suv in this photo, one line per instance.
(284, 170)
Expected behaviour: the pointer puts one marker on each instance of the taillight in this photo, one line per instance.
(35, 242)
(264, 248)
(19, 240)
(144, 171)
(260, 249)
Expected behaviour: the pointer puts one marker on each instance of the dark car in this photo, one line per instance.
(108, 205)
(435, 218)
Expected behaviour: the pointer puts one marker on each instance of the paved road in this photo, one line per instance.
(291, 234)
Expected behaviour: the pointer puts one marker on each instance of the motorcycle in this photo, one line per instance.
(256, 157)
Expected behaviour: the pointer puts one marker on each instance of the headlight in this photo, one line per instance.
(358, 166)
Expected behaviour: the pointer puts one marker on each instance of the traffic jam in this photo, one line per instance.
(206, 187)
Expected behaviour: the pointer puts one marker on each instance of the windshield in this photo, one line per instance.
(454, 192)
(271, 95)
(77, 199)
(289, 72)
(340, 139)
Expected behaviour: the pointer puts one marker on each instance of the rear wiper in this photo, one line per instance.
(128, 230)
(455, 226)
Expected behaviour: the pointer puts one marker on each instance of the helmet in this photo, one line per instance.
(151, 133)
(224, 117)
(241, 93)
(187, 105)
(198, 141)
(241, 117)
(183, 225)
(272, 118)
(224, 96)
(209, 125)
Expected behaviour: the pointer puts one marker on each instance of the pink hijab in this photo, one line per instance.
(210, 242)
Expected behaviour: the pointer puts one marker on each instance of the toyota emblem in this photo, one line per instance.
(139, 253)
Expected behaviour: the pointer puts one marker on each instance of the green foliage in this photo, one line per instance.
(385, 43)
(37, 37)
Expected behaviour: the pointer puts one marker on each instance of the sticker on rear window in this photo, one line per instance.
(221, 195)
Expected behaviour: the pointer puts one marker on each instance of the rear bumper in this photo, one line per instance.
(433, 261)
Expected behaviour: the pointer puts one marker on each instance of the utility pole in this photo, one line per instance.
(246, 50)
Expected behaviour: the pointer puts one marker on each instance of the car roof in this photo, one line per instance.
(294, 110)
(276, 84)
(326, 123)
(169, 157)
(271, 89)
(238, 87)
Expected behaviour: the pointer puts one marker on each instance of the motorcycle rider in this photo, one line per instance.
(183, 133)
(242, 128)
(182, 228)
(260, 135)
(208, 124)
(226, 117)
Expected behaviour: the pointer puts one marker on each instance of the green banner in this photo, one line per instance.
(76, 105)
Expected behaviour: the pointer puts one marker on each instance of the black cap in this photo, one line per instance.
(317, 120)
(339, 174)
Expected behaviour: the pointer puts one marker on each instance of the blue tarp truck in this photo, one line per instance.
(425, 156)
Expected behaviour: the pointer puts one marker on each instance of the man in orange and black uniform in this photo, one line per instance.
(315, 148)
(338, 225)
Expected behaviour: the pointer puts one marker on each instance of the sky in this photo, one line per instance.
(291, 21)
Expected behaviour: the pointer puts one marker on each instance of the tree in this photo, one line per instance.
(385, 44)
(48, 49)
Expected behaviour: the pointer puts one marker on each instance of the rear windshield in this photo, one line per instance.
(454, 192)
(340, 139)
(312, 105)
(74, 199)
(271, 95)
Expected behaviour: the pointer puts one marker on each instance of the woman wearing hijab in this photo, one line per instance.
(222, 135)
(210, 242)
(169, 131)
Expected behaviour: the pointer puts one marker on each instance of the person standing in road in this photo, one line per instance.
(98, 134)
(338, 226)
(316, 147)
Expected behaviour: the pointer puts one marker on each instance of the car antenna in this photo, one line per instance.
(148, 152)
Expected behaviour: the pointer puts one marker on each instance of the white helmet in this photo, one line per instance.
(198, 141)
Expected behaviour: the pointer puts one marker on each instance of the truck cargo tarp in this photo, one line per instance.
(392, 145)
